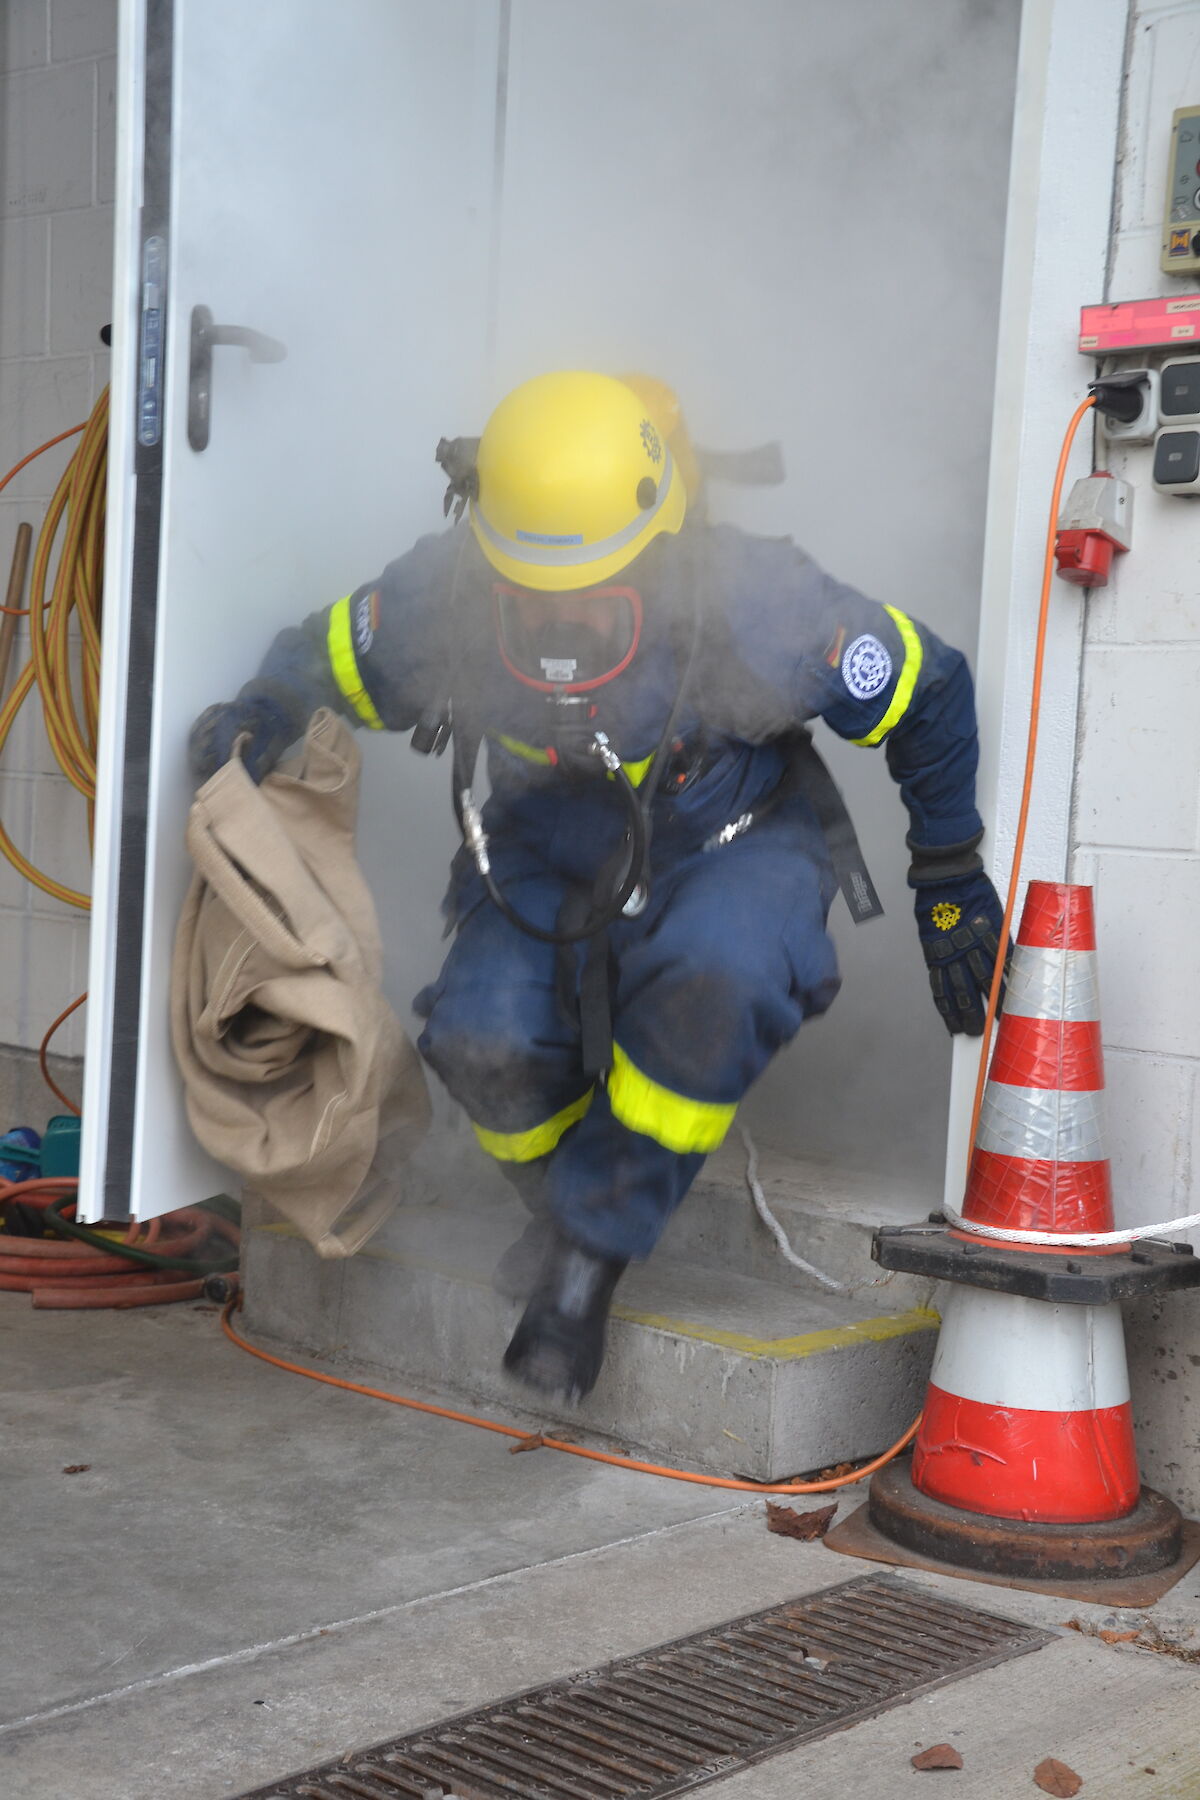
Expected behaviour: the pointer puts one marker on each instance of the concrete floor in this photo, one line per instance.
(257, 1573)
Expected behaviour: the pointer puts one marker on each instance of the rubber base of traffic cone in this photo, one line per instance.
(1124, 1562)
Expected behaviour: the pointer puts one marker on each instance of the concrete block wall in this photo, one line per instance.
(1136, 813)
(57, 137)
(1136, 810)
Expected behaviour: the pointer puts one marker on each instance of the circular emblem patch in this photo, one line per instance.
(866, 667)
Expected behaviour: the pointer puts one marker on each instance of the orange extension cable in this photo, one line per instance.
(538, 1439)
(836, 1481)
(1035, 709)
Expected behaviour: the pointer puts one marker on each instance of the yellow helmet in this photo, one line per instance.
(575, 478)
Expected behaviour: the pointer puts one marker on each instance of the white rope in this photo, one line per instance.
(780, 1235)
(1083, 1239)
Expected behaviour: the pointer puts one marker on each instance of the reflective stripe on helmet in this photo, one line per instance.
(342, 660)
(539, 1140)
(563, 552)
(914, 656)
(654, 1111)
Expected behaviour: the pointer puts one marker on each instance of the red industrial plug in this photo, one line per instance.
(1096, 521)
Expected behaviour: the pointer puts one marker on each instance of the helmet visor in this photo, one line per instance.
(570, 642)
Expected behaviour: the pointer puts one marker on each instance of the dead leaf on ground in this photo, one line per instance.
(938, 1756)
(787, 1522)
(77, 1468)
(1054, 1777)
(534, 1441)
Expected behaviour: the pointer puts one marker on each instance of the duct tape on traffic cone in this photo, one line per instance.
(1024, 1470)
(1028, 1414)
(1040, 1161)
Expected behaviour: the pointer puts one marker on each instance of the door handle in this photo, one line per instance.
(204, 339)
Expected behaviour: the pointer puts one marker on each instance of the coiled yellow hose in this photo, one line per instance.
(66, 670)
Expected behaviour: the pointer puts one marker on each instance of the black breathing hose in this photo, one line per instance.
(637, 836)
(638, 807)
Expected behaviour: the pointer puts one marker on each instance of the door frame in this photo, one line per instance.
(1058, 234)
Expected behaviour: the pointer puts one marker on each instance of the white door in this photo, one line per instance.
(321, 175)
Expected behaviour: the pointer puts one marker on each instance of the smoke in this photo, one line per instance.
(791, 211)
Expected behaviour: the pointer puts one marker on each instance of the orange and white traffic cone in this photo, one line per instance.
(1028, 1414)
(1040, 1161)
(1024, 1468)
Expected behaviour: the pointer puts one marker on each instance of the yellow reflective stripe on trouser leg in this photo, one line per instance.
(914, 656)
(344, 663)
(539, 1140)
(656, 1112)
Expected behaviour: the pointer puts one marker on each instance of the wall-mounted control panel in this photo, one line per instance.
(1177, 462)
(1181, 221)
(1177, 444)
(1179, 391)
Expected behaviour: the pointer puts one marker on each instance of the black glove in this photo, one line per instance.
(268, 723)
(959, 916)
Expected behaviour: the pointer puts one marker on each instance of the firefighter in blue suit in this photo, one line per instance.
(640, 907)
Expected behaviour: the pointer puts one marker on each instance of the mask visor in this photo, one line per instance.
(567, 643)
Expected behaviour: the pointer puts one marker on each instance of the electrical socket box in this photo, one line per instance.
(1179, 391)
(1177, 461)
(1142, 429)
(1181, 220)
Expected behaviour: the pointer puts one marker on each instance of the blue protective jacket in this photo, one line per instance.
(779, 642)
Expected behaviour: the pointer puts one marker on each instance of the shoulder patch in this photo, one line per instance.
(866, 667)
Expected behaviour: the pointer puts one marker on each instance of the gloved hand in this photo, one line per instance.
(959, 916)
(267, 722)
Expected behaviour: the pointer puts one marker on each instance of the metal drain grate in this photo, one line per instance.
(701, 1707)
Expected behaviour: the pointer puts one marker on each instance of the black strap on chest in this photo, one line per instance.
(808, 775)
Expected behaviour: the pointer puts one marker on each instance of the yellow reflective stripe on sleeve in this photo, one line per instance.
(914, 655)
(539, 1140)
(344, 663)
(656, 1112)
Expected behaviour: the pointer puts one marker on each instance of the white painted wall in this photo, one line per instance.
(57, 67)
(1135, 825)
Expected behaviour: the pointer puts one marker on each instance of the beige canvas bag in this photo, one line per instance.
(296, 1072)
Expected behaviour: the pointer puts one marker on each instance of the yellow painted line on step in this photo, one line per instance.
(811, 1343)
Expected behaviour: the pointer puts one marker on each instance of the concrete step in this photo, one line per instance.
(827, 1211)
(707, 1366)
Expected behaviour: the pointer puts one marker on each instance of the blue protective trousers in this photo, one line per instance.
(729, 957)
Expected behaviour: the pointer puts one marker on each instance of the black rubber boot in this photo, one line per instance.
(516, 1274)
(558, 1346)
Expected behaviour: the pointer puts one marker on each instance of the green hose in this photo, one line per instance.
(191, 1265)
